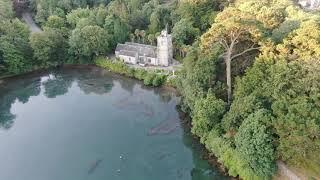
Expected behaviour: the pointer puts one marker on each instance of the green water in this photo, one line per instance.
(86, 124)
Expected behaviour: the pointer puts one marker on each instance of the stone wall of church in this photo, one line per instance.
(128, 59)
(164, 51)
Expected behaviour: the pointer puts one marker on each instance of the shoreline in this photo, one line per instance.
(185, 119)
(42, 70)
(206, 155)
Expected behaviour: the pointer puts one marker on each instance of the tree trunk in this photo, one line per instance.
(228, 75)
(228, 57)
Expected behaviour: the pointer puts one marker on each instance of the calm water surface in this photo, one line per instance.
(86, 124)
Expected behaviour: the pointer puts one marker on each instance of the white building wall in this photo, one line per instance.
(170, 48)
(164, 41)
(152, 61)
(314, 4)
(149, 60)
(128, 59)
(310, 4)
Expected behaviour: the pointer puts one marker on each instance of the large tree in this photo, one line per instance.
(6, 9)
(184, 33)
(76, 15)
(238, 33)
(15, 51)
(117, 29)
(89, 41)
(50, 47)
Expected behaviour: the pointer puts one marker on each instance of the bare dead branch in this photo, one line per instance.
(224, 43)
(245, 51)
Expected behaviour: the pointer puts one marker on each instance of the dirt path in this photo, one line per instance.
(284, 173)
(32, 25)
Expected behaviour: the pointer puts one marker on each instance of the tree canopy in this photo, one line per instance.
(89, 41)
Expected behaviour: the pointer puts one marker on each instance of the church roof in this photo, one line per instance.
(127, 53)
(130, 49)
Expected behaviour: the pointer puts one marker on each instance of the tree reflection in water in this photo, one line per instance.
(94, 82)
(60, 81)
(21, 90)
(56, 83)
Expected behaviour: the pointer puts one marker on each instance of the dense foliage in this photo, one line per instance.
(270, 49)
(15, 51)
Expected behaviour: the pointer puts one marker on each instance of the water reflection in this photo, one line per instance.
(6, 117)
(54, 83)
(127, 85)
(95, 86)
(94, 82)
(164, 95)
(57, 85)
(22, 91)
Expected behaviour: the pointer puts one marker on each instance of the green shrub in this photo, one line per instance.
(131, 72)
(148, 80)
(140, 74)
(230, 157)
(254, 143)
(172, 81)
(207, 115)
(158, 80)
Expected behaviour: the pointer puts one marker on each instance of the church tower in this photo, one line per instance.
(164, 48)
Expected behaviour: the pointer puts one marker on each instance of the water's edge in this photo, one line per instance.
(206, 155)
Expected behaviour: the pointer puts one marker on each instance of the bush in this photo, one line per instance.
(172, 81)
(230, 157)
(208, 113)
(114, 66)
(131, 72)
(148, 80)
(158, 80)
(254, 143)
(140, 74)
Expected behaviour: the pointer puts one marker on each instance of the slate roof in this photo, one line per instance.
(127, 53)
(130, 49)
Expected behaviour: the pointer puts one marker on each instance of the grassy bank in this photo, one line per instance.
(154, 78)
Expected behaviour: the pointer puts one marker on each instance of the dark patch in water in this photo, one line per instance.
(165, 127)
(94, 166)
(147, 109)
(162, 156)
(180, 173)
(122, 103)
(128, 103)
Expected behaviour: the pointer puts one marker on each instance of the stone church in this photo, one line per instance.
(135, 53)
(310, 4)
